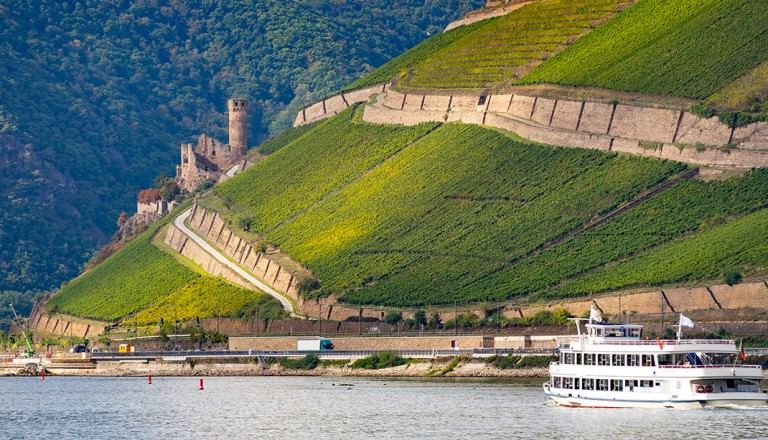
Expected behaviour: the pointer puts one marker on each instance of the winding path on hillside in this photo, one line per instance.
(215, 253)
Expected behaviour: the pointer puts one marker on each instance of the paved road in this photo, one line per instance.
(179, 222)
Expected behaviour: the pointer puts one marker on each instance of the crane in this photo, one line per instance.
(30, 351)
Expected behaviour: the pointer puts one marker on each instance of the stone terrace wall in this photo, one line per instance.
(676, 300)
(335, 105)
(215, 229)
(645, 131)
(61, 325)
(476, 16)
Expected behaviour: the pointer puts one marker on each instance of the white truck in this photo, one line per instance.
(320, 344)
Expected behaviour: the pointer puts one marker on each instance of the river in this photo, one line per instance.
(333, 408)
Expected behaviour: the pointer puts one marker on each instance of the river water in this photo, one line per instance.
(334, 408)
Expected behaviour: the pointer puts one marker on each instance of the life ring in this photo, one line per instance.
(709, 388)
(700, 389)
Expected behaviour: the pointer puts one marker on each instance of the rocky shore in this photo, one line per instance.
(436, 368)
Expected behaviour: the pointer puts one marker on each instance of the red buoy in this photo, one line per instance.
(149, 379)
(201, 384)
(42, 374)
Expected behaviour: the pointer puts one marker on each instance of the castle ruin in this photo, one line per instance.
(210, 158)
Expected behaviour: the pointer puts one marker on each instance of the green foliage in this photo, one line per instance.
(732, 277)
(125, 283)
(393, 317)
(544, 317)
(496, 52)
(703, 111)
(384, 359)
(142, 279)
(689, 48)
(282, 139)
(308, 362)
(738, 243)
(97, 96)
(316, 164)
(689, 207)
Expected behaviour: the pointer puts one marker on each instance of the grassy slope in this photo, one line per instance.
(445, 217)
(502, 50)
(690, 48)
(140, 276)
(306, 170)
(494, 52)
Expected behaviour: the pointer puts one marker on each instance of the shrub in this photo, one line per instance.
(393, 317)
(732, 277)
(308, 362)
(385, 359)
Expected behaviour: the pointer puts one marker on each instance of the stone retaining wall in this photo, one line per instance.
(43, 324)
(335, 105)
(644, 131)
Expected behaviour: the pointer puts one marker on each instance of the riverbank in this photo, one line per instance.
(454, 367)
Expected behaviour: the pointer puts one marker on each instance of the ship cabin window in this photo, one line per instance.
(648, 360)
(617, 385)
(666, 359)
(602, 384)
(579, 359)
(618, 360)
(568, 383)
(615, 333)
(633, 360)
(603, 359)
(587, 384)
(568, 358)
(589, 359)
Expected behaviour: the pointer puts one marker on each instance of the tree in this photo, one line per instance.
(420, 317)
(169, 190)
(122, 219)
(732, 277)
(393, 317)
(149, 195)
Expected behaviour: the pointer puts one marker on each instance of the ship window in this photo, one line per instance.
(604, 359)
(589, 359)
(579, 360)
(633, 360)
(602, 384)
(665, 359)
(568, 358)
(617, 385)
(618, 360)
(648, 360)
(568, 383)
(558, 382)
(588, 384)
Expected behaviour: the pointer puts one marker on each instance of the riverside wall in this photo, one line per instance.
(400, 343)
(644, 131)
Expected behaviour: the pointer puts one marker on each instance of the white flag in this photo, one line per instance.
(685, 321)
(594, 315)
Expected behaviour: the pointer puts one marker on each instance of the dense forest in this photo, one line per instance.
(95, 97)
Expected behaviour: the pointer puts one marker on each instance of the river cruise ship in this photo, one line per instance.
(612, 366)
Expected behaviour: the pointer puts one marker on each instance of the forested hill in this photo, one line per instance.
(95, 97)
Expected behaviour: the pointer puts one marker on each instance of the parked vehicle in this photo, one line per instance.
(320, 344)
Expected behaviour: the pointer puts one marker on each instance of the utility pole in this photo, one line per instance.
(320, 312)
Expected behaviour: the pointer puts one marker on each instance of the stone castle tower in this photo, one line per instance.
(210, 159)
(238, 125)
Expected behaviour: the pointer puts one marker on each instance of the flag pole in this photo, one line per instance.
(680, 327)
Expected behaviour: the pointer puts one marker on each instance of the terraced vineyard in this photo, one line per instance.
(281, 193)
(497, 52)
(141, 276)
(690, 207)
(689, 48)
(454, 208)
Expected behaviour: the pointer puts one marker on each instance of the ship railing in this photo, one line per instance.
(711, 366)
(663, 341)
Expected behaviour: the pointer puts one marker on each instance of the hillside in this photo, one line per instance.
(445, 213)
(146, 282)
(713, 50)
(95, 98)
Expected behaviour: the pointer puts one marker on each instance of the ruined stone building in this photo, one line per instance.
(210, 159)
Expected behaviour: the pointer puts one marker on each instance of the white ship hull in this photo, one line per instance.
(722, 400)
